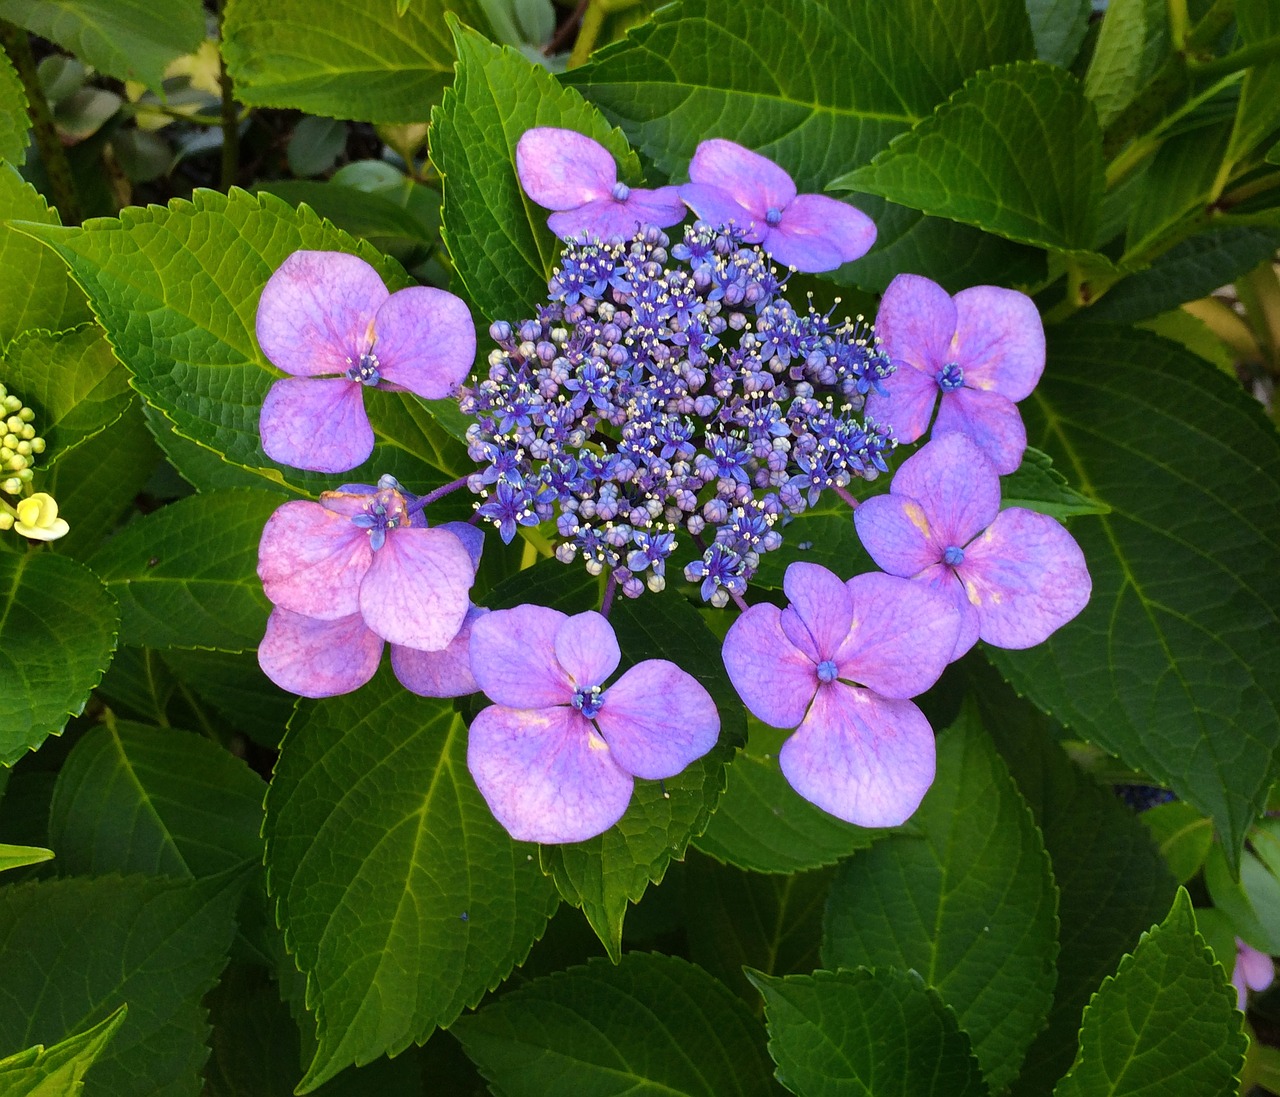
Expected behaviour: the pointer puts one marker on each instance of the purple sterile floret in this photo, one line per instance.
(977, 353)
(731, 185)
(557, 754)
(838, 665)
(570, 173)
(327, 318)
(1014, 575)
(1253, 970)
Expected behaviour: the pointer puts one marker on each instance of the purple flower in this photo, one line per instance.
(811, 232)
(1014, 575)
(326, 318)
(838, 665)
(982, 351)
(569, 172)
(1253, 970)
(557, 754)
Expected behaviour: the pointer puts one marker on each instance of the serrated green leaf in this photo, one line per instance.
(58, 1071)
(35, 291)
(1183, 836)
(315, 144)
(159, 801)
(1016, 152)
(1037, 485)
(21, 856)
(58, 629)
(498, 239)
(1161, 667)
(1258, 113)
(186, 575)
(1190, 331)
(379, 845)
(355, 59)
(374, 217)
(1251, 901)
(969, 903)
(127, 39)
(204, 469)
(1132, 43)
(1058, 27)
(15, 125)
(193, 354)
(73, 383)
(866, 1034)
(234, 686)
(1166, 1022)
(650, 1025)
(1176, 184)
(74, 950)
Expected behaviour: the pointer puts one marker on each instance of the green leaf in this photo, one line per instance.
(74, 950)
(1166, 1022)
(1161, 667)
(1183, 835)
(1132, 44)
(374, 217)
(1037, 485)
(193, 354)
(650, 1025)
(127, 39)
(969, 903)
(1251, 901)
(159, 801)
(1177, 184)
(762, 824)
(73, 383)
(58, 1071)
(1193, 333)
(58, 629)
(35, 291)
(355, 59)
(15, 124)
(315, 144)
(21, 856)
(866, 1034)
(379, 845)
(770, 923)
(233, 685)
(1258, 114)
(1058, 27)
(186, 575)
(1016, 152)
(498, 238)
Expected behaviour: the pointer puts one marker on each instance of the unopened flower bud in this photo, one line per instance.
(14, 424)
(37, 445)
(12, 403)
(11, 486)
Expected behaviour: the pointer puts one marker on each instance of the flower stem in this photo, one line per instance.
(439, 493)
(845, 494)
(606, 603)
(739, 601)
(229, 119)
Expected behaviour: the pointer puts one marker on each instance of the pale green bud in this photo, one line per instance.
(14, 424)
(28, 431)
(37, 445)
(11, 441)
(12, 403)
(24, 475)
(24, 448)
(26, 415)
(11, 486)
(17, 462)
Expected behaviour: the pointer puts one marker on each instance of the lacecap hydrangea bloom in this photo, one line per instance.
(557, 754)
(327, 318)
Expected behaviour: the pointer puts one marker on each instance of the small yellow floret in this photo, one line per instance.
(38, 518)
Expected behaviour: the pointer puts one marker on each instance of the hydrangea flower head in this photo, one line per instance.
(1014, 575)
(838, 665)
(811, 232)
(327, 319)
(557, 754)
(570, 173)
(979, 353)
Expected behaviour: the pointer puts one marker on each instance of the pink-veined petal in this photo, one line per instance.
(754, 180)
(657, 719)
(863, 758)
(908, 402)
(312, 561)
(545, 773)
(902, 636)
(999, 341)
(895, 531)
(425, 341)
(513, 656)
(808, 253)
(659, 206)
(719, 208)
(562, 169)
(603, 219)
(416, 591)
(843, 230)
(989, 420)
(957, 489)
(314, 313)
(772, 676)
(316, 423)
(471, 538)
(445, 673)
(318, 658)
(587, 649)
(1027, 577)
(916, 322)
(820, 610)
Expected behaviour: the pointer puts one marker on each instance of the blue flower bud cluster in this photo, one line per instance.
(670, 391)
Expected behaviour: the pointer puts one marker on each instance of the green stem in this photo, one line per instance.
(229, 120)
(62, 184)
(1179, 23)
(1268, 50)
(588, 32)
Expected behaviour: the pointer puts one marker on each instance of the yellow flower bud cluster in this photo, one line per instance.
(19, 443)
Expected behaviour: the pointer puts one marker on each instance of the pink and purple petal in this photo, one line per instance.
(318, 658)
(472, 539)
(312, 561)
(719, 208)
(895, 531)
(844, 232)
(818, 619)
(444, 673)
(587, 649)
(561, 169)
(545, 773)
(808, 253)
(775, 680)
(755, 181)
(660, 206)
(907, 404)
(416, 591)
(999, 341)
(602, 219)
(425, 341)
(1026, 576)
(316, 423)
(992, 422)
(513, 656)
(902, 637)
(956, 487)
(916, 322)
(657, 719)
(863, 758)
(314, 313)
